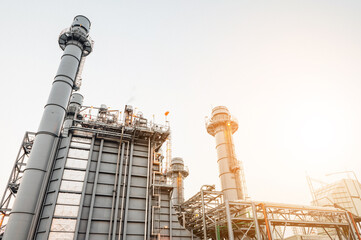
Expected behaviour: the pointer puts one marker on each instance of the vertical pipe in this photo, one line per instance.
(95, 184)
(353, 226)
(218, 232)
(267, 223)
(84, 188)
(123, 191)
(115, 187)
(256, 225)
(203, 216)
(27, 198)
(170, 220)
(217, 229)
(229, 222)
(150, 199)
(118, 194)
(128, 192)
(147, 192)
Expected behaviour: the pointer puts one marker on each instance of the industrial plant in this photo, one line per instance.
(95, 173)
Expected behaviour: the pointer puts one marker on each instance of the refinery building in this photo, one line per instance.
(91, 173)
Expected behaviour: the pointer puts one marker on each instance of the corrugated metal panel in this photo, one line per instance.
(81, 189)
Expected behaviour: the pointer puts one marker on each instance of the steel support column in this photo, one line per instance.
(204, 217)
(254, 212)
(229, 222)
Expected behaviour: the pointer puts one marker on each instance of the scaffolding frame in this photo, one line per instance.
(16, 175)
(209, 216)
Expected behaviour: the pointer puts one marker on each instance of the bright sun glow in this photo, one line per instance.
(317, 132)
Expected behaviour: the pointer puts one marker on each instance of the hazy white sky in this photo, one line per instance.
(288, 70)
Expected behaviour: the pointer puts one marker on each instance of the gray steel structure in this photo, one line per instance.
(225, 214)
(222, 126)
(15, 178)
(89, 176)
(99, 177)
(209, 216)
(107, 183)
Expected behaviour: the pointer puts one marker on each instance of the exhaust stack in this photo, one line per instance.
(177, 172)
(76, 43)
(222, 126)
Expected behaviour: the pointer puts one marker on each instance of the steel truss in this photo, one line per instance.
(15, 178)
(208, 216)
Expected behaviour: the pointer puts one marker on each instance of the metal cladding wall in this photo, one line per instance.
(85, 198)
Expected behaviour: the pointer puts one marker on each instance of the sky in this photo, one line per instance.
(289, 71)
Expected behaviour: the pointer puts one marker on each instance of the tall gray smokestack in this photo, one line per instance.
(76, 44)
(222, 126)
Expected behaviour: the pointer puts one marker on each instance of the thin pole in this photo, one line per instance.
(349, 192)
(147, 193)
(229, 222)
(115, 186)
(128, 192)
(203, 217)
(123, 192)
(118, 194)
(150, 199)
(256, 225)
(266, 221)
(349, 215)
(94, 190)
(170, 219)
